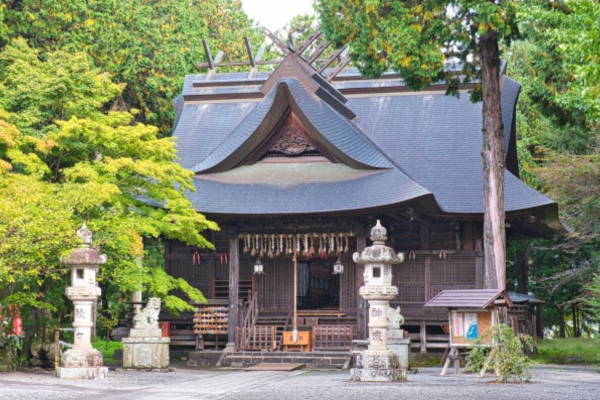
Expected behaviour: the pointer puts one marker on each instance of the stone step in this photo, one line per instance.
(311, 360)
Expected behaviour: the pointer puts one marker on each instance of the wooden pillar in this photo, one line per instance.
(361, 307)
(423, 337)
(234, 278)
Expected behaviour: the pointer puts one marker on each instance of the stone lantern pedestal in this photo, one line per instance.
(378, 363)
(83, 361)
(145, 348)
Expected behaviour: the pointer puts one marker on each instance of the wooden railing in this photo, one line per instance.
(249, 315)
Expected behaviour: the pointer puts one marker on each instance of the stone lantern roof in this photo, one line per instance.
(378, 252)
(84, 255)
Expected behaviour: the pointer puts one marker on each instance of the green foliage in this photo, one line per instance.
(417, 38)
(107, 348)
(570, 31)
(506, 354)
(63, 161)
(148, 45)
(567, 351)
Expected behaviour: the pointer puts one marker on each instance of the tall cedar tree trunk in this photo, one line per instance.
(493, 165)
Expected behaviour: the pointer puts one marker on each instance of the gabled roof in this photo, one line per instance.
(395, 146)
(331, 129)
(470, 298)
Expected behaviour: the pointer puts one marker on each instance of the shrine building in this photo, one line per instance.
(302, 161)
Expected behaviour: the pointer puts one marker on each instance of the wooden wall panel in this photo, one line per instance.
(277, 283)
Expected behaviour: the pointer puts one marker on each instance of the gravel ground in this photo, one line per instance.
(560, 382)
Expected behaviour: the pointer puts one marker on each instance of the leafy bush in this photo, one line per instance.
(506, 354)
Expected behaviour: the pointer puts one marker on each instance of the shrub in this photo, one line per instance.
(506, 354)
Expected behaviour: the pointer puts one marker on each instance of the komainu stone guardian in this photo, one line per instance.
(145, 348)
(378, 363)
(83, 361)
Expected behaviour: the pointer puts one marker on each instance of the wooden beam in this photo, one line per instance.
(290, 43)
(234, 278)
(309, 40)
(213, 71)
(254, 70)
(318, 51)
(338, 68)
(209, 60)
(277, 41)
(330, 59)
(249, 49)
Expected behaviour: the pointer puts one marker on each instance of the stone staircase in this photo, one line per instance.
(315, 360)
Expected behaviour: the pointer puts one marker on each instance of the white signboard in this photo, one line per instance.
(457, 324)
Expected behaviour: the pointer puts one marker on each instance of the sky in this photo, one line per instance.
(274, 14)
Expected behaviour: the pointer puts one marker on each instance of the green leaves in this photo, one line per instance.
(148, 46)
(64, 161)
(417, 39)
(506, 354)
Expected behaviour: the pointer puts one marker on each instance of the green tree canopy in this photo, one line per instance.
(63, 162)
(148, 45)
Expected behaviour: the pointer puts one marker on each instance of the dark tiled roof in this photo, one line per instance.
(268, 187)
(520, 298)
(422, 146)
(340, 136)
(468, 298)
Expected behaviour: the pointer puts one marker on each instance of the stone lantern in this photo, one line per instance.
(83, 361)
(378, 363)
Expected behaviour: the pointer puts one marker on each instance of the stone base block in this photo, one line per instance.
(81, 358)
(168, 369)
(378, 375)
(401, 347)
(378, 366)
(82, 372)
(145, 333)
(145, 353)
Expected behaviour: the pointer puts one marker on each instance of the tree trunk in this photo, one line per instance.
(493, 165)
(523, 271)
(561, 322)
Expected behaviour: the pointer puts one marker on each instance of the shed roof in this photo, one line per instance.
(520, 298)
(471, 298)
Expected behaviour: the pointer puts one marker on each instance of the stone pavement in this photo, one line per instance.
(548, 383)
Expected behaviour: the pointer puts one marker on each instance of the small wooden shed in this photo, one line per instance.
(470, 314)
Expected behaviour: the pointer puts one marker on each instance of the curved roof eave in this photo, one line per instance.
(336, 133)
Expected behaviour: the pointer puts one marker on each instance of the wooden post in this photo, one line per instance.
(234, 278)
(423, 337)
(361, 309)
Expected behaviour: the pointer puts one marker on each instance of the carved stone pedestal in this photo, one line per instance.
(82, 364)
(378, 366)
(400, 346)
(145, 353)
(145, 348)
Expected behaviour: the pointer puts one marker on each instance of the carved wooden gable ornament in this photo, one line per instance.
(290, 139)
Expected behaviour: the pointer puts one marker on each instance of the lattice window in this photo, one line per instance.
(410, 296)
(457, 271)
(408, 237)
(410, 271)
(277, 286)
(348, 290)
(442, 235)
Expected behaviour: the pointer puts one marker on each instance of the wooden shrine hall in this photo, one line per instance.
(301, 162)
